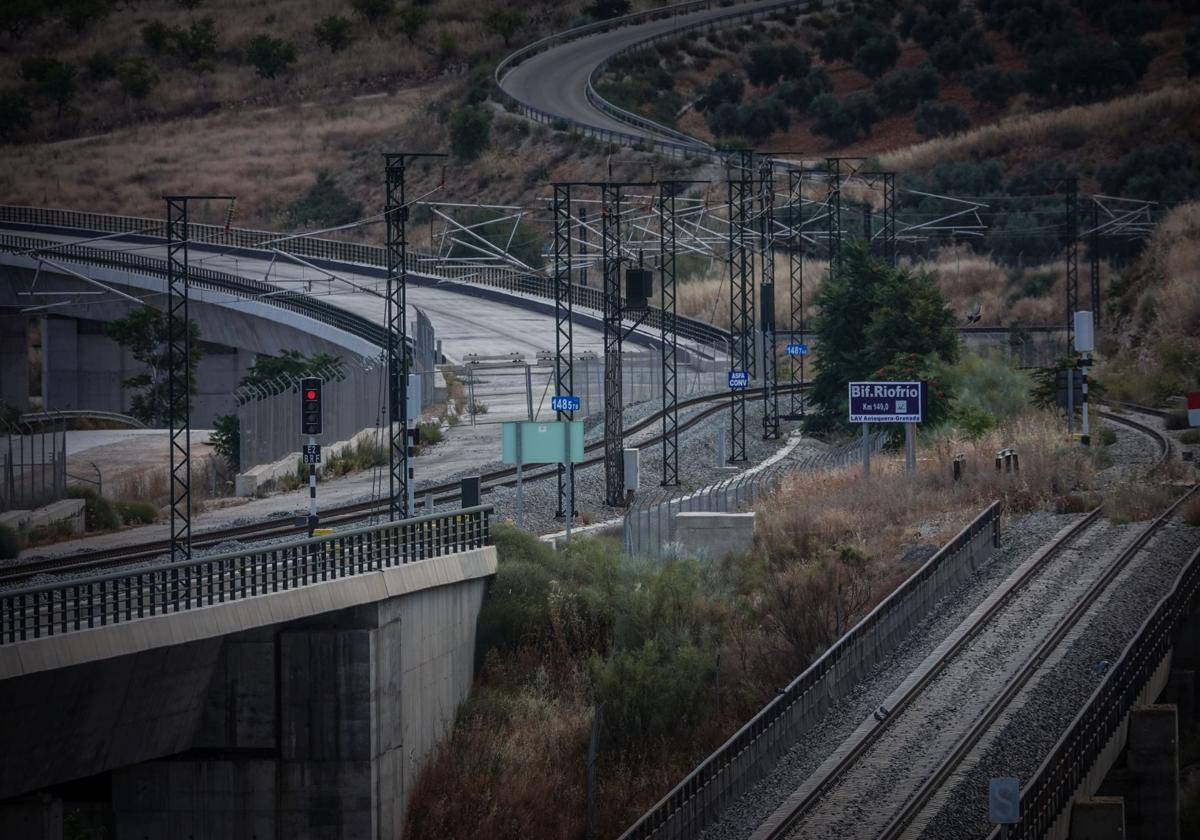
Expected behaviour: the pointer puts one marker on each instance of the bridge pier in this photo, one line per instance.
(1098, 818)
(1153, 762)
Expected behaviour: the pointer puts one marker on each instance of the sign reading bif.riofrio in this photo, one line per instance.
(887, 402)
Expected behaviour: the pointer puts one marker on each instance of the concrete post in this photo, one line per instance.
(1153, 760)
(14, 361)
(1098, 818)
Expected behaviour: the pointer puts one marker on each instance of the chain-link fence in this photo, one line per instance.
(649, 526)
(33, 464)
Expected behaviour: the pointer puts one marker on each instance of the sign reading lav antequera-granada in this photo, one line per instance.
(887, 402)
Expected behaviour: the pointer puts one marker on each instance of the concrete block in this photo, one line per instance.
(1098, 818)
(714, 534)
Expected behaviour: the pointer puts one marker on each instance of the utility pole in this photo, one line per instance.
(767, 244)
(564, 352)
(398, 358)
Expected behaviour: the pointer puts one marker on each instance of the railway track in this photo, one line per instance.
(938, 717)
(444, 493)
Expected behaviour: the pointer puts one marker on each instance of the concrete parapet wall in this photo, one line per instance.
(714, 534)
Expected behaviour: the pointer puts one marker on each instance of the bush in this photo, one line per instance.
(270, 56)
(1176, 419)
(605, 9)
(951, 56)
(11, 543)
(470, 132)
(324, 205)
(15, 114)
(100, 66)
(1191, 436)
(994, 87)
(135, 513)
(429, 433)
(767, 64)
(903, 90)
(136, 77)
(938, 119)
(226, 440)
(1191, 513)
(156, 35)
(1166, 173)
(800, 94)
(842, 121)
(877, 56)
(373, 11)
(98, 512)
(725, 87)
(333, 31)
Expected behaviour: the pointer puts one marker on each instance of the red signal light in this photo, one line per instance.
(312, 395)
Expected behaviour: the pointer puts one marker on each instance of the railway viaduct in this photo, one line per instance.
(277, 693)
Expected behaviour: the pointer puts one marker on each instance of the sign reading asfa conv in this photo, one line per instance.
(887, 402)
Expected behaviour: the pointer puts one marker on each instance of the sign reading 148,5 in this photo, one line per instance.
(564, 403)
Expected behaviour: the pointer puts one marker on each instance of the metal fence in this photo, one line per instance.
(121, 597)
(33, 464)
(749, 755)
(1046, 797)
(649, 524)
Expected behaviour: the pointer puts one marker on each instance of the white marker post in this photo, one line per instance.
(520, 480)
(866, 450)
(569, 513)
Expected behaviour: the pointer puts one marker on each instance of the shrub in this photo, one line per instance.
(951, 56)
(100, 66)
(938, 119)
(503, 22)
(325, 205)
(136, 77)
(429, 433)
(470, 132)
(1191, 513)
(196, 45)
(15, 114)
(767, 64)
(1131, 19)
(156, 35)
(842, 121)
(19, 16)
(724, 88)
(373, 10)
(412, 20)
(1176, 419)
(226, 440)
(994, 87)
(1191, 436)
(11, 543)
(270, 56)
(800, 94)
(877, 56)
(134, 512)
(902, 90)
(98, 512)
(334, 32)
(605, 9)
(1166, 173)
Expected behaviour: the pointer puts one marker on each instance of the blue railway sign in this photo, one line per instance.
(564, 403)
(738, 380)
(797, 349)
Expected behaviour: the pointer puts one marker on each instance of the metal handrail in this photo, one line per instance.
(1046, 795)
(121, 597)
(750, 751)
(81, 414)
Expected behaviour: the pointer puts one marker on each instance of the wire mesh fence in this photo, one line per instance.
(33, 464)
(649, 524)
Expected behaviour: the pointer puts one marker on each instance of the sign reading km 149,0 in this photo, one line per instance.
(887, 402)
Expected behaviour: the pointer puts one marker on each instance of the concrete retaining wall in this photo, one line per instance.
(714, 534)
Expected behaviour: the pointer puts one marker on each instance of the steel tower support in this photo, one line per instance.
(834, 210)
(179, 357)
(889, 218)
(741, 305)
(1072, 234)
(614, 459)
(766, 200)
(398, 359)
(1094, 260)
(796, 287)
(670, 335)
(564, 354)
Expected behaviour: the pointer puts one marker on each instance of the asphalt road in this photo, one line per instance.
(555, 81)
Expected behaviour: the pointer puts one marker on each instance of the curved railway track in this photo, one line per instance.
(800, 815)
(443, 493)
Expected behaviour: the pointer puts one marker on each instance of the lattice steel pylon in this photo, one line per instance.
(1071, 224)
(1094, 264)
(766, 221)
(396, 220)
(670, 335)
(796, 286)
(564, 353)
(888, 230)
(839, 168)
(179, 368)
(741, 305)
(614, 459)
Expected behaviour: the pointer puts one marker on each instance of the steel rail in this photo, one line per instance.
(788, 822)
(998, 705)
(443, 493)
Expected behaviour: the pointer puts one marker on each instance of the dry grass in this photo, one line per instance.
(1176, 245)
(1137, 115)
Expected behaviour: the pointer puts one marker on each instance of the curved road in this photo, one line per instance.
(555, 81)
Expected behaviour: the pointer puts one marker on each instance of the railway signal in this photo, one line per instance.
(310, 425)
